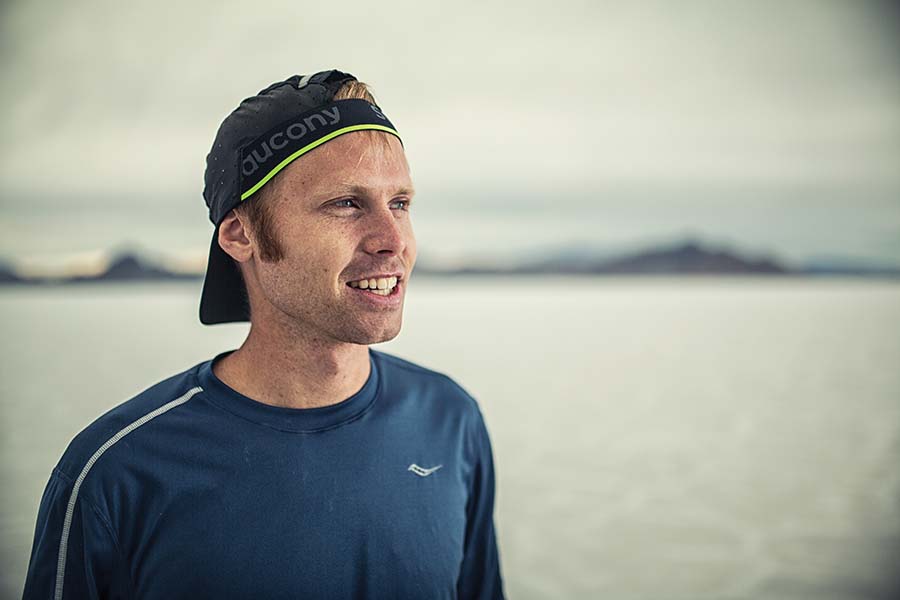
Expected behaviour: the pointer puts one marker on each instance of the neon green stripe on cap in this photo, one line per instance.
(309, 147)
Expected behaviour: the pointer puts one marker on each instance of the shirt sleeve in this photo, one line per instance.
(480, 577)
(89, 561)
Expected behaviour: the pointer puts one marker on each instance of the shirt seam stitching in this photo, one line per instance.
(100, 515)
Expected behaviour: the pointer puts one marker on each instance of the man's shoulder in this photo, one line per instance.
(131, 414)
(399, 373)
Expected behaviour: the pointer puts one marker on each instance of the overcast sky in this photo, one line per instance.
(773, 126)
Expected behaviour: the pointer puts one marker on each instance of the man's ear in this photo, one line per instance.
(234, 237)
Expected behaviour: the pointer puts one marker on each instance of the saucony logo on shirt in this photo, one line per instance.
(422, 472)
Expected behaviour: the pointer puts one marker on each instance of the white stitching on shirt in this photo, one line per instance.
(70, 509)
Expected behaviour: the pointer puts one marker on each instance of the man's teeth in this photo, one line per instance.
(381, 286)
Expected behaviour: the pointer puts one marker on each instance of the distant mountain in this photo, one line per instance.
(8, 274)
(689, 257)
(124, 267)
(685, 258)
(129, 267)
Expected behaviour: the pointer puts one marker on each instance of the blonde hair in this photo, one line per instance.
(357, 90)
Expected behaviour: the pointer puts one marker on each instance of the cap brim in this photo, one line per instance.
(224, 299)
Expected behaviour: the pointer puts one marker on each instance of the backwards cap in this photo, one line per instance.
(260, 138)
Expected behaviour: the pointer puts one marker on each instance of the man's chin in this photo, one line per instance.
(386, 337)
(373, 335)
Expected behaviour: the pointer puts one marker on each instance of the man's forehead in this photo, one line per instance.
(355, 163)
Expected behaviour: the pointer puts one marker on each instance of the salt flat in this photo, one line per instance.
(653, 438)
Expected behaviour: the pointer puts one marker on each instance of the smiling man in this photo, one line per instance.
(303, 464)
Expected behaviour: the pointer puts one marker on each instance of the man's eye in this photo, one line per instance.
(405, 204)
(345, 203)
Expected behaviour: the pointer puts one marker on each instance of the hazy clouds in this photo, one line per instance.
(581, 110)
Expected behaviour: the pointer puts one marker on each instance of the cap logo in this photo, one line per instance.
(378, 112)
(295, 131)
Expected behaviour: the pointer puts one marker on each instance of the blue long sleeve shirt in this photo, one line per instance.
(192, 490)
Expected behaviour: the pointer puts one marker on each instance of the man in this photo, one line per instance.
(304, 464)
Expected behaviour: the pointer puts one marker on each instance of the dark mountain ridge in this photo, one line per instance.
(686, 258)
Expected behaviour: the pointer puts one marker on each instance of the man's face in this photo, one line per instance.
(341, 215)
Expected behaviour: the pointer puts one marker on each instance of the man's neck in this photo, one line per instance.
(300, 372)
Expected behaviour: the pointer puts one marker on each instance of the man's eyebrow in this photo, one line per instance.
(359, 190)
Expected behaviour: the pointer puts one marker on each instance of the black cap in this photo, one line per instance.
(264, 134)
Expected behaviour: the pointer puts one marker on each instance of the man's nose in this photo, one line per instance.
(386, 232)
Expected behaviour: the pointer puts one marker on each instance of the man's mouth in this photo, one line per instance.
(381, 286)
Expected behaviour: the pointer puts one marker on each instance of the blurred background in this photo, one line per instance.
(659, 242)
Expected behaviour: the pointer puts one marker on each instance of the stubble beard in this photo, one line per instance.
(344, 324)
(354, 333)
(366, 329)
